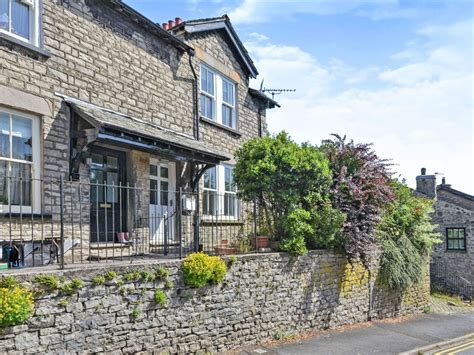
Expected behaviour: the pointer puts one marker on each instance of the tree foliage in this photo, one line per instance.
(339, 196)
(360, 190)
(292, 183)
(407, 235)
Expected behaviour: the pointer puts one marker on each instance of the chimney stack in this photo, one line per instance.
(178, 21)
(426, 184)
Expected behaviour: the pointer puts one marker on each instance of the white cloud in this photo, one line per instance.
(263, 11)
(421, 114)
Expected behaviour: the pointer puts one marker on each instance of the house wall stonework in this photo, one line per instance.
(101, 57)
(262, 297)
(452, 211)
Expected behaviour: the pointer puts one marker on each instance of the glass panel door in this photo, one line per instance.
(162, 204)
(108, 200)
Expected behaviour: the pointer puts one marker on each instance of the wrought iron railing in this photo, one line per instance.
(442, 279)
(53, 221)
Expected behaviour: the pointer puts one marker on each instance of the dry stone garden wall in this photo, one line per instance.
(263, 297)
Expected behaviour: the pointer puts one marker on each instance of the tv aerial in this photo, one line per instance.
(274, 92)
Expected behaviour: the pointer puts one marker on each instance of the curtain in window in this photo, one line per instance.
(20, 23)
(4, 15)
(21, 184)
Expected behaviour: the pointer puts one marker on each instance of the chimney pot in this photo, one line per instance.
(178, 21)
(423, 171)
(165, 26)
(170, 24)
(443, 181)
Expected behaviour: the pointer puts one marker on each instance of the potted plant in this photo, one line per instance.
(261, 240)
(224, 248)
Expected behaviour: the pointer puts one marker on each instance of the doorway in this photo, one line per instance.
(162, 201)
(108, 202)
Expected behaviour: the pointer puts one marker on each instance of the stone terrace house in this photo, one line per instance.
(453, 259)
(131, 115)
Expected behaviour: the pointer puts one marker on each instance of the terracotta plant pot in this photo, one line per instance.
(260, 242)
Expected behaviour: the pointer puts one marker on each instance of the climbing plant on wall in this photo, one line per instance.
(407, 236)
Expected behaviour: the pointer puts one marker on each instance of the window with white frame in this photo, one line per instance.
(19, 161)
(220, 193)
(21, 19)
(218, 99)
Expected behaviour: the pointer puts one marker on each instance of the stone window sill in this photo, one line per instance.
(32, 50)
(233, 131)
(463, 251)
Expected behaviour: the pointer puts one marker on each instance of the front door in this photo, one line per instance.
(108, 199)
(162, 201)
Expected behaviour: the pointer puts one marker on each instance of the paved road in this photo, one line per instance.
(384, 337)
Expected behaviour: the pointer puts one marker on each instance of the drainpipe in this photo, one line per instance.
(259, 115)
(195, 95)
(196, 137)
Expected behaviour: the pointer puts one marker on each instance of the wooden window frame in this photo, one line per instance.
(464, 239)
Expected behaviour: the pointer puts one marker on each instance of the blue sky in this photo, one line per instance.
(395, 73)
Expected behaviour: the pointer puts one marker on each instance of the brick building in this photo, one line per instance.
(131, 115)
(453, 259)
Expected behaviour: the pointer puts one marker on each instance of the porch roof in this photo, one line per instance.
(122, 130)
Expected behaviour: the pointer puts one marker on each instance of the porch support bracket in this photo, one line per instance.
(197, 173)
(83, 139)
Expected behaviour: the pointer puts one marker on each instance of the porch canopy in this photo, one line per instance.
(92, 124)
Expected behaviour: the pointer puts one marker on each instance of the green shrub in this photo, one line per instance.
(135, 314)
(72, 286)
(147, 276)
(283, 176)
(406, 235)
(16, 304)
(296, 246)
(232, 260)
(8, 282)
(50, 282)
(98, 280)
(201, 269)
(160, 298)
(161, 273)
(132, 276)
(168, 284)
(219, 270)
(110, 275)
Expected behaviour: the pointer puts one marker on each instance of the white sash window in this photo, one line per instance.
(220, 193)
(218, 98)
(20, 19)
(19, 162)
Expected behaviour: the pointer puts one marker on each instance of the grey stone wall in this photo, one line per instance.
(262, 297)
(452, 211)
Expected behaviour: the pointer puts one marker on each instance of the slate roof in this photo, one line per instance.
(109, 121)
(216, 23)
(448, 188)
(260, 95)
(149, 25)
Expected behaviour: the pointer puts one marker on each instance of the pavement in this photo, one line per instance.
(416, 335)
